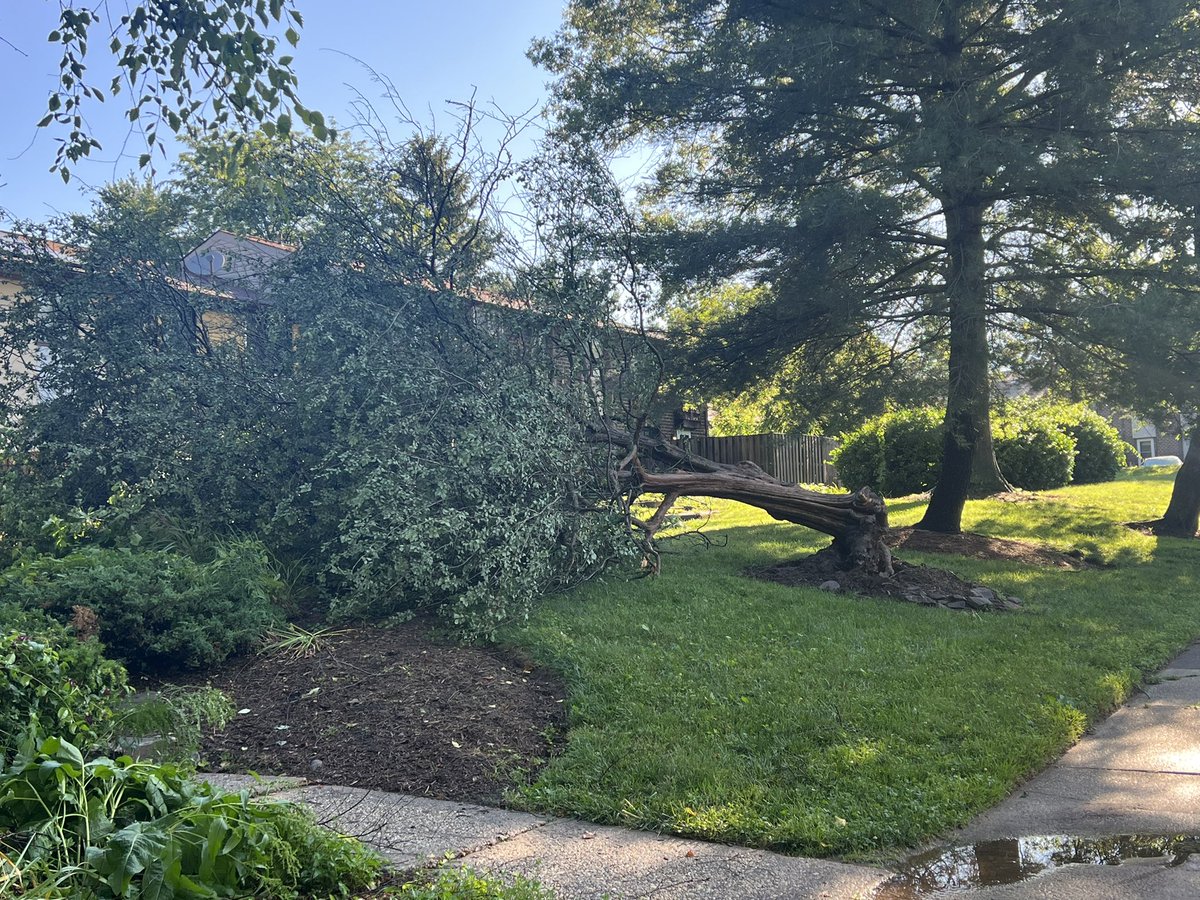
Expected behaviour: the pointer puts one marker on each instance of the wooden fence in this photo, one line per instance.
(799, 458)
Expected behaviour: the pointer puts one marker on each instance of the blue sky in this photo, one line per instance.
(433, 52)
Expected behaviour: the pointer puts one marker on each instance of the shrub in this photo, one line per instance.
(151, 832)
(898, 453)
(157, 610)
(1099, 450)
(53, 682)
(174, 718)
(859, 457)
(912, 451)
(1033, 453)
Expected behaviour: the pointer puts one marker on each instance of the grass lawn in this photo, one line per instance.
(706, 703)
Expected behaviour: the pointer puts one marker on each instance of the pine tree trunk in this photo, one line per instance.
(1182, 518)
(968, 458)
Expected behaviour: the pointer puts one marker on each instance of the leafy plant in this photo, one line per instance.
(1033, 452)
(175, 718)
(898, 453)
(457, 883)
(296, 642)
(118, 828)
(54, 682)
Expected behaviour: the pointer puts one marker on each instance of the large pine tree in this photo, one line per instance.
(954, 166)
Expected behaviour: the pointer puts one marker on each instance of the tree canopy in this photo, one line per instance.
(964, 167)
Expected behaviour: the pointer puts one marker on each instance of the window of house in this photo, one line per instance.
(1145, 447)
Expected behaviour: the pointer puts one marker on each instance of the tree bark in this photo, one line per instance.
(857, 522)
(1182, 518)
(968, 457)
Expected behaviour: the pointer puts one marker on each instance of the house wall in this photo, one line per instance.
(19, 363)
(1166, 439)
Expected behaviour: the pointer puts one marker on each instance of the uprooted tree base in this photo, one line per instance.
(857, 522)
(858, 560)
(922, 585)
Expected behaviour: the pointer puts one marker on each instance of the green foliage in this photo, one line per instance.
(1099, 449)
(1100, 453)
(859, 456)
(897, 453)
(157, 610)
(104, 828)
(187, 65)
(406, 436)
(53, 682)
(296, 642)
(912, 450)
(1032, 452)
(1039, 444)
(456, 883)
(817, 389)
(175, 718)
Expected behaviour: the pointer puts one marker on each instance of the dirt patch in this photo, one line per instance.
(392, 709)
(923, 585)
(980, 546)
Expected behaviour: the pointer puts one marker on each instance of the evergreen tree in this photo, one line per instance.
(966, 165)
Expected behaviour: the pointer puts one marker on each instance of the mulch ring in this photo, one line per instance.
(392, 709)
(923, 585)
(980, 546)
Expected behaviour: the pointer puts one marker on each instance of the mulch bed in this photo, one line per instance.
(392, 709)
(980, 546)
(923, 585)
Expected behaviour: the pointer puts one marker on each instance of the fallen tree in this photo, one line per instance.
(857, 522)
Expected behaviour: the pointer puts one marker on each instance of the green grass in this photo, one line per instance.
(706, 703)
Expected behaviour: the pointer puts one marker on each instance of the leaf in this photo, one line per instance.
(128, 853)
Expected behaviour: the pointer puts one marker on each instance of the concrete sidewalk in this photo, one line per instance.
(1137, 773)
(577, 860)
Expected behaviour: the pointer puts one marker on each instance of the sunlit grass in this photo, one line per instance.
(707, 703)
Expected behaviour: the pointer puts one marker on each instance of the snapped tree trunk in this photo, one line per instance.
(857, 522)
(968, 457)
(1182, 518)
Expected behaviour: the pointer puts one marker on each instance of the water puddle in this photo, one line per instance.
(944, 872)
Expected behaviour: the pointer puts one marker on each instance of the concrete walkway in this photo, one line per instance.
(577, 860)
(1138, 773)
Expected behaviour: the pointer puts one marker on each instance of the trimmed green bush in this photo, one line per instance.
(55, 683)
(1039, 445)
(1099, 449)
(912, 451)
(859, 456)
(896, 454)
(157, 610)
(1033, 453)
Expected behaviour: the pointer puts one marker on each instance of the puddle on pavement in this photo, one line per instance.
(942, 873)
